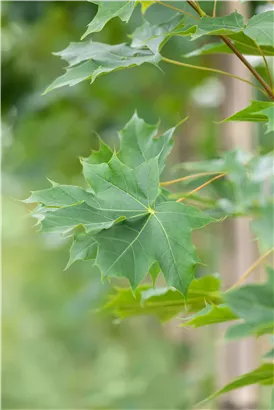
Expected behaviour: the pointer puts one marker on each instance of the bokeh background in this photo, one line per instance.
(57, 352)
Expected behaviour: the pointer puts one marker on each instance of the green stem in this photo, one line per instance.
(214, 8)
(213, 70)
(237, 53)
(251, 269)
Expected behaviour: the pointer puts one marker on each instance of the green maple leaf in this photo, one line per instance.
(88, 60)
(138, 143)
(107, 10)
(122, 213)
(129, 248)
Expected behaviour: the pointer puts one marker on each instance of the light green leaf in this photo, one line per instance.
(154, 272)
(138, 143)
(103, 154)
(84, 247)
(263, 375)
(255, 305)
(163, 303)
(88, 60)
(155, 36)
(107, 10)
(260, 28)
(263, 227)
(257, 111)
(211, 314)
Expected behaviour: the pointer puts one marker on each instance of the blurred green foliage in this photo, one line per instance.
(57, 352)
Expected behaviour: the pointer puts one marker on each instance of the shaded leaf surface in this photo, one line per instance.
(88, 60)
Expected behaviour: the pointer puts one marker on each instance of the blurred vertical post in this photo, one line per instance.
(236, 358)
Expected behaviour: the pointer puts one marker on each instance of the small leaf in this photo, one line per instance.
(255, 305)
(84, 247)
(263, 375)
(257, 111)
(89, 60)
(211, 314)
(163, 303)
(107, 10)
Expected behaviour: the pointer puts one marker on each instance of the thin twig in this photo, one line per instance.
(266, 65)
(214, 8)
(238, 54)
(200, 187)
(175, 181)
(176, 9)
(251, 269)
(214, 70)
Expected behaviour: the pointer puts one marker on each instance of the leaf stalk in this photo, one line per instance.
(213, 70)
(237, 53)
(251, 269)
(201, 186)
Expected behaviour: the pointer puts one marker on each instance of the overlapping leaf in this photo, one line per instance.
(257, 111)
(254, 304)
(88, 60)
(128, 225)
(210, 315)
(264, 375)
(138, 143)
(107, 10)
(164, 303)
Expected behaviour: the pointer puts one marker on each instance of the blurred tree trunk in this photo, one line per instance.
(236, 358)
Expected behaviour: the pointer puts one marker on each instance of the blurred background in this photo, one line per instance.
(57, 352)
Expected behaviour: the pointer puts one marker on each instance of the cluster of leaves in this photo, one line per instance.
(89, 59)
(115, 220)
